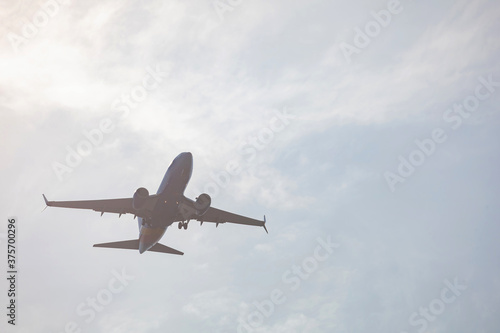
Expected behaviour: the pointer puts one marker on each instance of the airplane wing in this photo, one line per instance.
(118, 206)
(219, 216)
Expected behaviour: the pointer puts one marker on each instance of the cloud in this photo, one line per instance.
(226, 80)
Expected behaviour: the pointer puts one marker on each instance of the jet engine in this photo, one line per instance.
(202, 204)
(139, 198)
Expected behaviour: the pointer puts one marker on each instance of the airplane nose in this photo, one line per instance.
(188, 158)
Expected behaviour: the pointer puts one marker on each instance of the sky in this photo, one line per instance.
(365, 131)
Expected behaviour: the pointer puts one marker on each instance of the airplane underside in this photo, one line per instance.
(158, 211)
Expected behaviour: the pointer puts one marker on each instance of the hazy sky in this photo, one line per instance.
(367, 132)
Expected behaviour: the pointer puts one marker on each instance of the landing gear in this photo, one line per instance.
(183, 224)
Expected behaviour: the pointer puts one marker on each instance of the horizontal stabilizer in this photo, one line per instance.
(165, 249)
(134, 245)
(130, 245)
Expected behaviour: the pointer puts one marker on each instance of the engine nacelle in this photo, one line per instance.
(139, 198)
(202, 204)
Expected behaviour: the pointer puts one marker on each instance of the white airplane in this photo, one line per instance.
(157, 212)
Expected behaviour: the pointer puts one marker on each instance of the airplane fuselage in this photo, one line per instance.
(166, 210)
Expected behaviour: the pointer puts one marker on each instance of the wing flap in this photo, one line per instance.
(220, 216)
(118, 206)
(216, 215)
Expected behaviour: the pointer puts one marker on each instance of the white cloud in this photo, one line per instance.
(319, 176)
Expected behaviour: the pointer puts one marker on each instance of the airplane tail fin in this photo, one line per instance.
(134, 245)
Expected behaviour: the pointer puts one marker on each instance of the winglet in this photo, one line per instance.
(46, 201)
(264, 225)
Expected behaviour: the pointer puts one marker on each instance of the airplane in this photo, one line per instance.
(159, 211)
